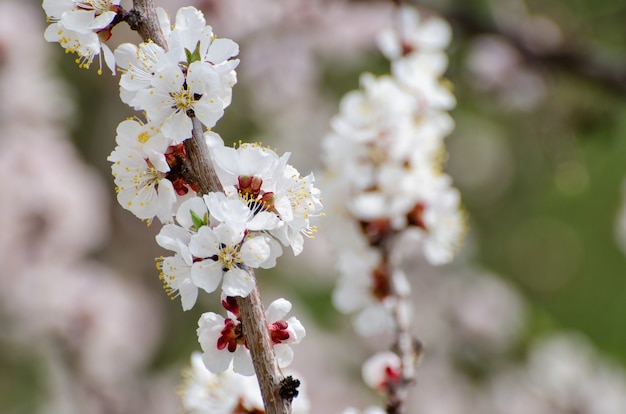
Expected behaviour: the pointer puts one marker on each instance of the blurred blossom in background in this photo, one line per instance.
(528, 319)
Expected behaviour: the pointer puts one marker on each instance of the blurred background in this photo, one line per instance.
(530, 318)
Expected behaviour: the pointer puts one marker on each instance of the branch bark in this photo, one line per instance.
(147, 24)
(260, 344)
(202, 173)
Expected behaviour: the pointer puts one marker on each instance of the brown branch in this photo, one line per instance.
(260, 344)
(201, 171)
(145, 22)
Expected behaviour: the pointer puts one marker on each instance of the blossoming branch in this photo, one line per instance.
(218, 232)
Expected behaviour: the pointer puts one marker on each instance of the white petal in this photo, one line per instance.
(169, 236)
(242, 362)
(183, 214)
(255, 251)
(188, 294)
(109, 58)
(221, 50)
(277, 310)
(206, 274)
(217, 361)
(237, 282)
(189, 18)
(284, 354)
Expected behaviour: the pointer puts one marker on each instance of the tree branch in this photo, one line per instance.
(201, 170)
(202, 174)
(260, 344)
(146, 22)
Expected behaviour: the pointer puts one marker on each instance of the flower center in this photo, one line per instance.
(183, 100)
(278, 331)
(143, 137)
(228, 257)
(231, 336)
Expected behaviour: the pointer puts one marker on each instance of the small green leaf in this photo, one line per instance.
(197, 221)
(193, 56)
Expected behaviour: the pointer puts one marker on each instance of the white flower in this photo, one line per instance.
(271, 186)
(296, 201)
(140, 169)
(176, 270)
(82, 16)
(222, 342)
(420, 74)
(191, 37)
(225, 209)
(222, 338)
(283, 332)
(225, 252)
(415, 35)
(364, 289)
(175, 96)
(138, 64)
(81, 27)
(190, 41)
(437, 221)
(220, 234)
(382, 370)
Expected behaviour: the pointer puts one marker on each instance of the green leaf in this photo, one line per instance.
(199, 222)
(193, 56)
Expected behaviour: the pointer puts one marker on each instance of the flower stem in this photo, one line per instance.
(406, 346)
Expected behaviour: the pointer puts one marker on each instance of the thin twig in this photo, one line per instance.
(406, 346)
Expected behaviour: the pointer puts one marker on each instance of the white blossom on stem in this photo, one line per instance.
(176, 94)
(140, 169)
(225, 252)
(192, 35)
(148, 171)
(176, 270)
(364, 290)
(137, 62)
(223, 240)
(222, 339)
(268, 184)
(382, 370)
(82, 27)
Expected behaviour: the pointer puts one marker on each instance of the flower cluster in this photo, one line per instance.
(260, 201)
(218, 237)
(193, 79)
(224, 345)
(383, 167)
